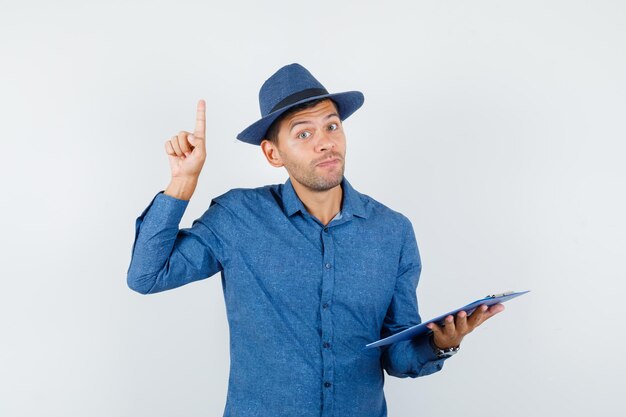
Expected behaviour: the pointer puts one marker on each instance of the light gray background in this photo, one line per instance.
(497, 127)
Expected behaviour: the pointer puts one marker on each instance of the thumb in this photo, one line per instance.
(193, 141)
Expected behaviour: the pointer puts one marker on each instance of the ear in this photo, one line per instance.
(270, 150)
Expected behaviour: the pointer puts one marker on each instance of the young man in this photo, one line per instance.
(312, 270)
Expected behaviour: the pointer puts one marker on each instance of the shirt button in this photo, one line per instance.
(326, 229)
(327, 266)
(325, 305)
(326, 344)
(327, 384)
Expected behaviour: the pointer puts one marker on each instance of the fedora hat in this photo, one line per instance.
(289, 86)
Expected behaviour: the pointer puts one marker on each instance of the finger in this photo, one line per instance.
(174, 144)
(200, 120)
(484, 312)
(439, 335)
(183, 142)
(192, 144)
(434, 327)
(168, 148)
(449, 329)
(477, 316)
(461, 323)
(493, 310)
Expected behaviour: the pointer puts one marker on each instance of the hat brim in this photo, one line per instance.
(347, 103)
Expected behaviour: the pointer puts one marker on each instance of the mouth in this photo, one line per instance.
(329, 162)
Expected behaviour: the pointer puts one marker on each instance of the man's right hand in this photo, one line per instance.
(187, 153)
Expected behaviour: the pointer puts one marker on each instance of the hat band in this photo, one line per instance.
(300, 95)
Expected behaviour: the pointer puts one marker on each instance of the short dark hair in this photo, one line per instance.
(272, 132)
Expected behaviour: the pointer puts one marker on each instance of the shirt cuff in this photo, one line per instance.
(425, 351)
(165, 209)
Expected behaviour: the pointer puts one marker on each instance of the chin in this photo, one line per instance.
(313, 181)
(327, 183)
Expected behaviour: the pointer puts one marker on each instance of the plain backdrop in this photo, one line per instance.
(497, 127)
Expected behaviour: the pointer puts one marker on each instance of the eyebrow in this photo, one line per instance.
(292, 125)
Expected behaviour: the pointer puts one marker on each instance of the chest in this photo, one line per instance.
(351, 266)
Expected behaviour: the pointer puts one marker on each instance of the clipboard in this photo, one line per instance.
(421, 328)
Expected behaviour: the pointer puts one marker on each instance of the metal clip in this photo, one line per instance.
(499, 295)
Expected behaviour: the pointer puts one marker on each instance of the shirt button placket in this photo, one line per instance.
(328, 283)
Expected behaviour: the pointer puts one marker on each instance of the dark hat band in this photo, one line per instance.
(300, 95)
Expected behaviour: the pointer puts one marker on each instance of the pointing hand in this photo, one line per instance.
(186, 151)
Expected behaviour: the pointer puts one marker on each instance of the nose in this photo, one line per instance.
(324, 142)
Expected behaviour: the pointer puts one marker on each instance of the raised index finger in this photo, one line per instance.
(200, 120)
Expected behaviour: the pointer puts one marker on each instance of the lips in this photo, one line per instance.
(328, 162)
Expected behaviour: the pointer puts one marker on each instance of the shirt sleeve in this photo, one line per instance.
(415, 357)
(164, 257)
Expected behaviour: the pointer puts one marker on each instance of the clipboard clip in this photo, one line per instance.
(499, 295)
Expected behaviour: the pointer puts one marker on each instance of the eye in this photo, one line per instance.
(304, 134)
(333, 126)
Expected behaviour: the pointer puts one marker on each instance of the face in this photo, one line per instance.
(307, 141)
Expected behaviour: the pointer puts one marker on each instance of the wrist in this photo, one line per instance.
(442, 352)
(181, 187)
(435, 346)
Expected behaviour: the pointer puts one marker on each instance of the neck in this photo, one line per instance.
(324, 205)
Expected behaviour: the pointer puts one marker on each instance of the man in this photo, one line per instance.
(311, 269)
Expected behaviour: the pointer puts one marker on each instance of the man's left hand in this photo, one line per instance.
(452, 332)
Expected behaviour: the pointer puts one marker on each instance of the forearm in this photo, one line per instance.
(166, 257)
(411, 358)
(155, 234)
(181, 187)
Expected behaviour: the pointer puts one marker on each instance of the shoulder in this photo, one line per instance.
(381, 212)
(247, 197)
(237, 206)
(390, 225)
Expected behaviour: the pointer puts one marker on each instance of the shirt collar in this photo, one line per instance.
(352, 203)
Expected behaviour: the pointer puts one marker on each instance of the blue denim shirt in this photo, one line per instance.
(302, 299)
